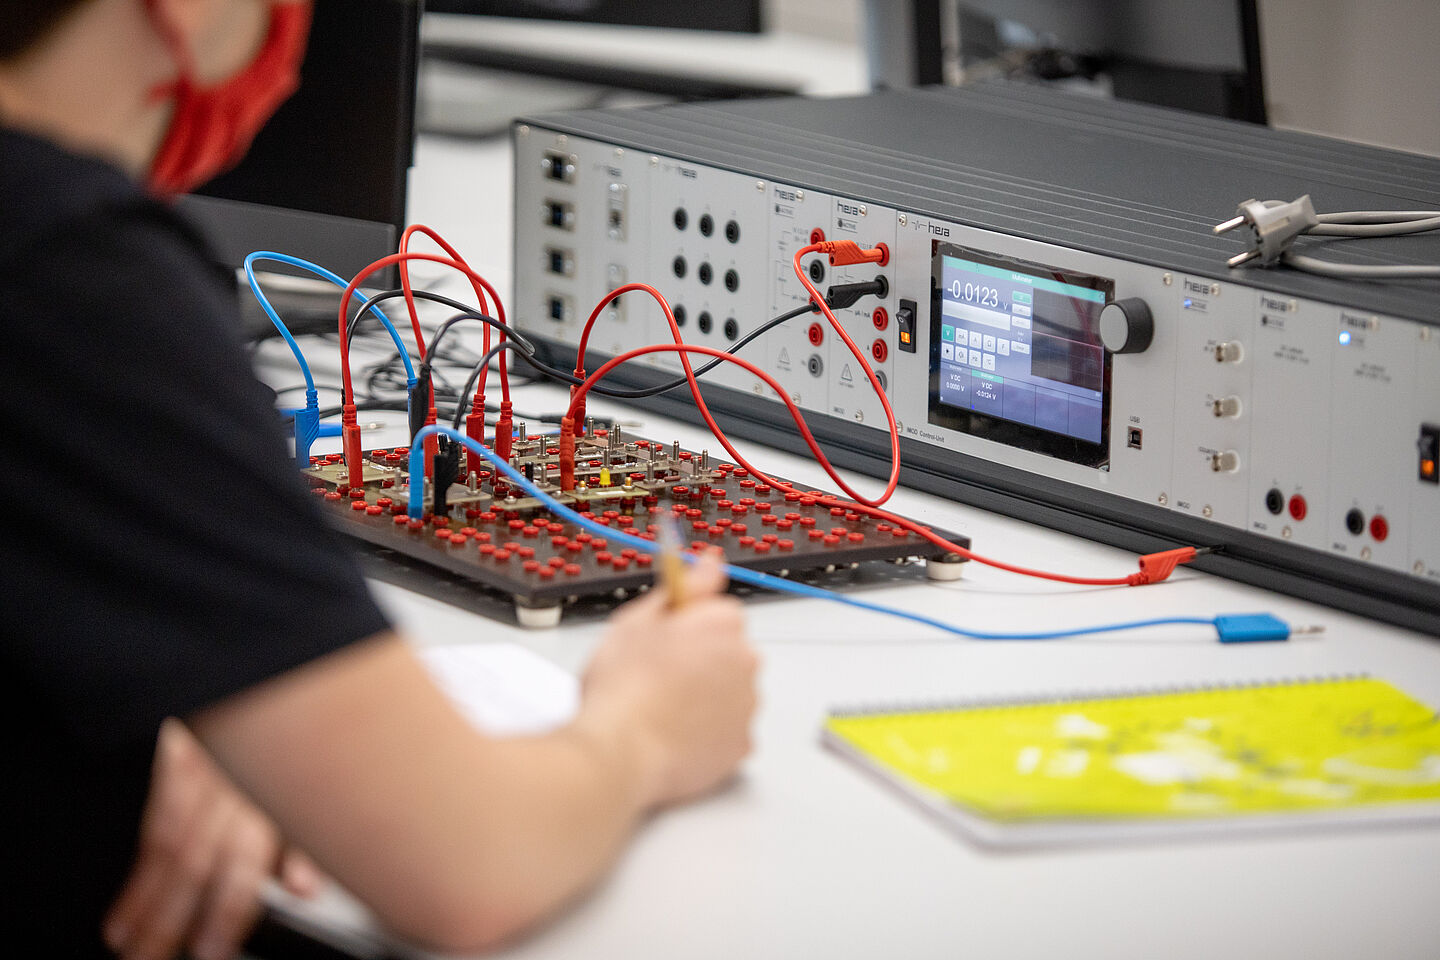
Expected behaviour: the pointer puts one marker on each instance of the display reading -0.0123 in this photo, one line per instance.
(1015, 354)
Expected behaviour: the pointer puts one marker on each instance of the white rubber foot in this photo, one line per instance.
(943, 570)
(538, 618)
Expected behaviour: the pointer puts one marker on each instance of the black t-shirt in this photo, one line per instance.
(158, 551)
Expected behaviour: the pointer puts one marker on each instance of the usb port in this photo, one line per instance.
(559, 261)
(615, 276)
(558, 166)
(616, 200)
(557, 308)
(560, 214)
(1135, 438)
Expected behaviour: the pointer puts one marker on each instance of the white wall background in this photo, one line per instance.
(1360, 69)
(830, 19)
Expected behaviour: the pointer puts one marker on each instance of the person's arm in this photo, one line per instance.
(458, 841)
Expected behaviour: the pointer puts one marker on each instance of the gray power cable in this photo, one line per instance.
(1274, 225)
(1355, 271)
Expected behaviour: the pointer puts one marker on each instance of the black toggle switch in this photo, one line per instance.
(905, 325)
(1429, 446)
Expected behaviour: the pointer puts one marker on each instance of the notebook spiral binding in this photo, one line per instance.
(1017, 701)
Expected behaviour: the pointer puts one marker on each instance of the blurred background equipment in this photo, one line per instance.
(483, 58)
(1320, 66)
(1201, 55)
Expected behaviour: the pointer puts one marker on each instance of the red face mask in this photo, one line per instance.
(212, 127)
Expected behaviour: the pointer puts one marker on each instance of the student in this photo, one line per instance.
(163, 561)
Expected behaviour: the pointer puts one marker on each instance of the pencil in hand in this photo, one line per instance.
(672, 564)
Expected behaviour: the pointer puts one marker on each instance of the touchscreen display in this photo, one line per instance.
(1015, 353)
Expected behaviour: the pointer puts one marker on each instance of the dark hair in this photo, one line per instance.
(23, 23)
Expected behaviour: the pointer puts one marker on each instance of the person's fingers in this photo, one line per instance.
(705, 581)
(203, 853)
(706, 576)
(232, 900)
(180, 797)
(187, 871)
(300, 875)
(718, 616)
(125, 916)
(703, 578)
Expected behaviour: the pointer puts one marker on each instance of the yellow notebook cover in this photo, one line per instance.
(1066, 770)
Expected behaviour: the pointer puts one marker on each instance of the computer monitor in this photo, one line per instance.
(622, 44)
(326, 179)
(742, 16)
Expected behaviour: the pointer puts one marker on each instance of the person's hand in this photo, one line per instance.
(682, 681)
(204, 852)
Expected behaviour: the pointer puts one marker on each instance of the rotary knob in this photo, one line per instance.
(1126, 326)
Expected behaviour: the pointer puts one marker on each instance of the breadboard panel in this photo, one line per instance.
(489, 532)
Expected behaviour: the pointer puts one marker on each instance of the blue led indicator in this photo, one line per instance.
(1344, 338)
(1188, 302)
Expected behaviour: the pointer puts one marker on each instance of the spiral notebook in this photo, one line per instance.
(1157, 764)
